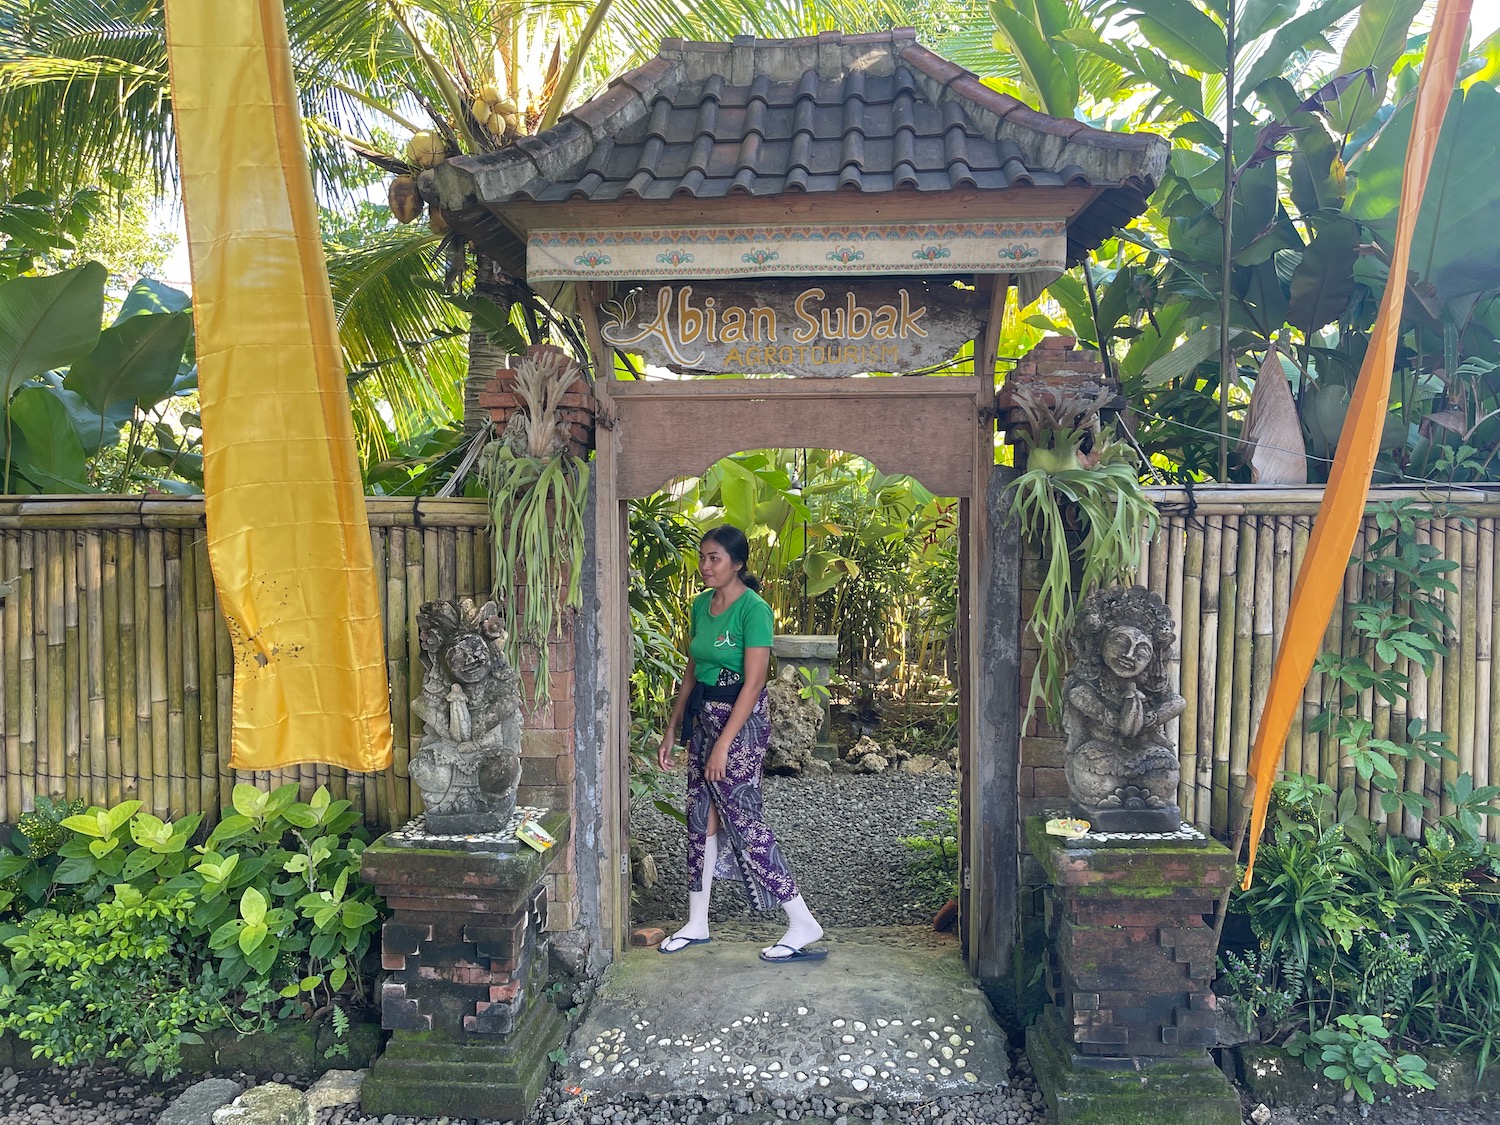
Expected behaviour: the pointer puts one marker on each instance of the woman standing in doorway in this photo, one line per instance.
(721, 713)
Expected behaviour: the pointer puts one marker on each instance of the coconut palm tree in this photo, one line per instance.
(84, 92)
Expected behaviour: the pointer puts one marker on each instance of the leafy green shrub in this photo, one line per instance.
(933, 876)
(1352, 1051)
(1353, 925)
(118, 980)
(268, 915)
(26, 873)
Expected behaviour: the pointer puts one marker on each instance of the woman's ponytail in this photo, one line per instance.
(751, 582)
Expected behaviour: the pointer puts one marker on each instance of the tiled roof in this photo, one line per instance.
(859, 114)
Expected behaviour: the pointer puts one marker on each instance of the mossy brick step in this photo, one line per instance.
(430, 1074)
(489, 881)
(294, 1047)
(1159, 870)
(1090, 1090)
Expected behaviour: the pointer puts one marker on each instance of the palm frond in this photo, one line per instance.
(404, 344)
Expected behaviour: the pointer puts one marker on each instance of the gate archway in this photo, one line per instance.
(813, 207)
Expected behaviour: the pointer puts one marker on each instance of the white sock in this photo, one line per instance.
(697, 923)
(803, 930)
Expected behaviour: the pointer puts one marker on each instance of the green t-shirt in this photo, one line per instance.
(720, 641)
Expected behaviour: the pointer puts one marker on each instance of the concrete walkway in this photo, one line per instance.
(889, 1017)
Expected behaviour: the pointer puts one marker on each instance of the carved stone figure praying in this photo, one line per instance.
(468, 762)
(1122, 766)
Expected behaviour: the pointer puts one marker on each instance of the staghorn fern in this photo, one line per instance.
(1100, 495)
(538, 493)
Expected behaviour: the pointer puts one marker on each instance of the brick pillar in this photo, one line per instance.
(466, 966)
(548, 750)
(1055, 366)
(1130, 1012)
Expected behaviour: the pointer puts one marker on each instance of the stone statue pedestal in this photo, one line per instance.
(1131, 957)
(815, 654)
(466, 964)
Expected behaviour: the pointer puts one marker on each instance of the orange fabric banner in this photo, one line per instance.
(288, 537)
(1343, 507)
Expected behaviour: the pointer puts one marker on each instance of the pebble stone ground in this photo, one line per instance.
(103, 1096)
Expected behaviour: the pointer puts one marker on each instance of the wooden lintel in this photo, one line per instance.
(665, 430)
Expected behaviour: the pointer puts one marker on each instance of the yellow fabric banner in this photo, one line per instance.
(287, 533)
(1333, 532)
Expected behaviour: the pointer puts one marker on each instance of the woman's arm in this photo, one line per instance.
(757, 668)
(667, 752)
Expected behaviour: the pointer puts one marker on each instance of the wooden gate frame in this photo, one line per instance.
(938, 429)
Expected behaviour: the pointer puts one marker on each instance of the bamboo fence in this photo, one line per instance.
(116, 669)
(1225, 561)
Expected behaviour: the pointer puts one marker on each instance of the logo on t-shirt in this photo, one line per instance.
(724, 640)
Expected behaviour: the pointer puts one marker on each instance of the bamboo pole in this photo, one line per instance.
(1189, 635)
(1244, 657)
(8, 676)
(17, 687)
(1418, 708)
(130, 761)
(1348, 645)
(1302, 746)
(1484, 639)
(211, 796)
(1381, 717)
(224, 695)
(1281, 596)
(421, 586)
(447, 562)
(1156, 577)
(1455, 702)
(54, 743)
(1492, 568)
(463, 548)
(161, 754)
(1432, 777)
(110, 658)
(1175, 532)
(32, 601)
(1400, 717)
(1263, 640)
(192, 691)
(1228, 702)
(74, 779)
(379, 796)
(92, 579)
(1208, 668)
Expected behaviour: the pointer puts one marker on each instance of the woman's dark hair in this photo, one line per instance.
(733, 540)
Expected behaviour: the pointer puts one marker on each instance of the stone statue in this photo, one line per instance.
(469, 760)
(1122, 766)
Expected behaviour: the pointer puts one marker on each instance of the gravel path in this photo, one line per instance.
(841, 834)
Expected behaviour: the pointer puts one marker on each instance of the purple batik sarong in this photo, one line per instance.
(747, 849)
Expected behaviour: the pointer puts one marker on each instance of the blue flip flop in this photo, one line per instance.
(794, 954)
(690, 942)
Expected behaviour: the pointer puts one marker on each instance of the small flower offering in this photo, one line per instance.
(1067, 827)
(532, 833)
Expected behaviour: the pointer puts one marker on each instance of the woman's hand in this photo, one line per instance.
(666, 754)
(717, 766)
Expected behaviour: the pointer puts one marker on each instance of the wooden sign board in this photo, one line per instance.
(823, 327)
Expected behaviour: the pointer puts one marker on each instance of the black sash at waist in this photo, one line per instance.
(701, 694)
